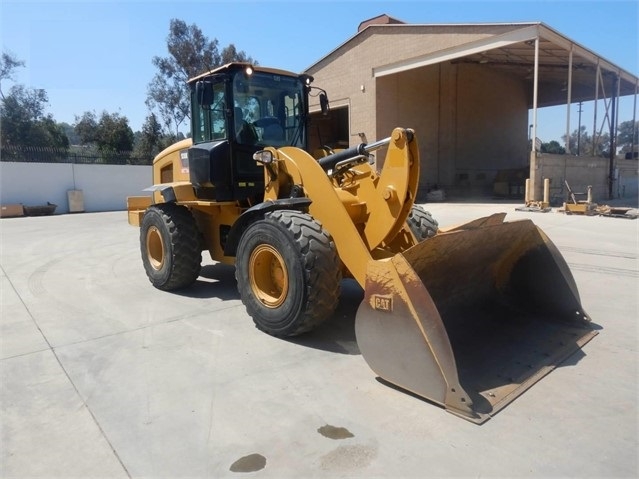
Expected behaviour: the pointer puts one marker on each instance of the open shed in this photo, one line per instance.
(468, 91)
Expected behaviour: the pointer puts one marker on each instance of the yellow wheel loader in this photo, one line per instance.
(467, 317)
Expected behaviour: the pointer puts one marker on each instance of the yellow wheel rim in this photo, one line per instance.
(155, 248)
(268, 276)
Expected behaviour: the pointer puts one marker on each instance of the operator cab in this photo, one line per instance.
(237, 110)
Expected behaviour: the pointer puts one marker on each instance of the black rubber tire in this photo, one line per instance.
(170, 246)
(421, 223)
(302, 260)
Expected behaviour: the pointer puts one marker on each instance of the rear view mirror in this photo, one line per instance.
(204, 93)
(323, 99)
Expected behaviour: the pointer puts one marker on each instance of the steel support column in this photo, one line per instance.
(569, 101)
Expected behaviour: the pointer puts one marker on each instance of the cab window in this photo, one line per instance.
(209, 123)
(268, 110)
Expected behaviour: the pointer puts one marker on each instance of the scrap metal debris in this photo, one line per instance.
(617, 212)
(535, 207)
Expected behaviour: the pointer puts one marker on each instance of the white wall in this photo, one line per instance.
(581, 172)
(104, 187)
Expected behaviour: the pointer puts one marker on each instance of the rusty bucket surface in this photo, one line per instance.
(472, 317)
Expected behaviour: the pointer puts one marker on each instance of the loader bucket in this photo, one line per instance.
(472, 317)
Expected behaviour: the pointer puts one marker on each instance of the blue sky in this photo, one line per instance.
(96, 55)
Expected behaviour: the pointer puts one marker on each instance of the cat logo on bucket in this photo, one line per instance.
(382, 302)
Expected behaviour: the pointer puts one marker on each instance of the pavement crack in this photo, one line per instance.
(66, 373)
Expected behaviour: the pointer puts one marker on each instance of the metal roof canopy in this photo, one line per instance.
(514, 52)
(558, 70)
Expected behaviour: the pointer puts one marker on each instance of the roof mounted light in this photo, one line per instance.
(248, 70)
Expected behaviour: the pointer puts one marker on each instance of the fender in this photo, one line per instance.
(258, 211)
(176, 192)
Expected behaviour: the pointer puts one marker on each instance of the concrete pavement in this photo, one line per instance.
(104, 376)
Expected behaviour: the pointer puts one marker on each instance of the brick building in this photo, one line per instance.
(466, 89)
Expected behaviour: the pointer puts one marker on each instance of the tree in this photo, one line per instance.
(8, 64)
(190, 53)
(22, 113)
(111, 133)
(54, 134)
(553, 147)
(581, 137)
(230, 54)
(24, 122)
(625, 135)
(150, 139)
(86, 127)
(115, 134)
(74, 138)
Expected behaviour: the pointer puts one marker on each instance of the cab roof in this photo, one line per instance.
(234, 66)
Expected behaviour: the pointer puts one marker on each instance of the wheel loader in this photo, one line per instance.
(467, 317)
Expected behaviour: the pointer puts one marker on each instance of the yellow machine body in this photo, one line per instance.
(468, 319)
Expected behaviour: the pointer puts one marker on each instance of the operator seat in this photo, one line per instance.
(273, 133)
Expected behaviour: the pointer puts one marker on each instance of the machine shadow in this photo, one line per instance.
(337, 334)
(215, 281)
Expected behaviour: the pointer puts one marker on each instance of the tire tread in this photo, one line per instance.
(421, 223)
(322, 270)
(185, 246)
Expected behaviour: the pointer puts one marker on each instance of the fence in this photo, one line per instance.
(75, 154)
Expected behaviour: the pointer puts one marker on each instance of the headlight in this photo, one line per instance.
(263, 156)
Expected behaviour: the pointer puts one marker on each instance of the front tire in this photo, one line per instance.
(288, 273)
(170, 246)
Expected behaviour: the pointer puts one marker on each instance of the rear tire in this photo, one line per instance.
(421, 223)
(170, 246)
(288, 273)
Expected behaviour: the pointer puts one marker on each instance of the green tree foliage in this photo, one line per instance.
(24, 122)
(86, 127)
(553, 147)
(151, 140)
(625, 135)
(111, 133)
(230, 54)
(74, 138)
(190, 53)
(22, 114)
(582, 143)
(8, 64)
(115, 133)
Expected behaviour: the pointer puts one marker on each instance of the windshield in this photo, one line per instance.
(268, 110)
